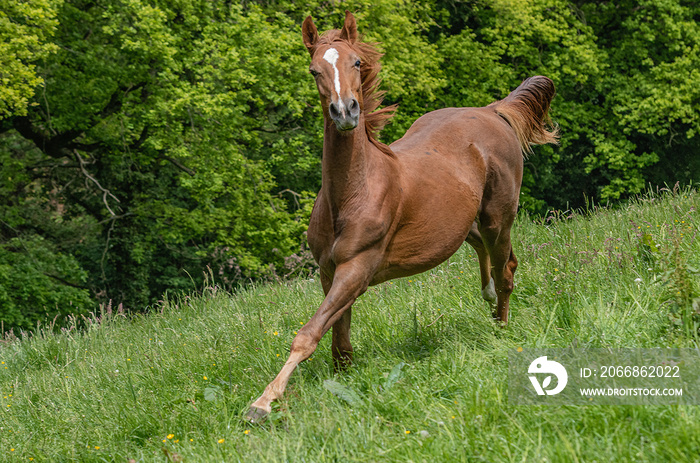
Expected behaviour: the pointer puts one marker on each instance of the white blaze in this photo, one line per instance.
(331, 56)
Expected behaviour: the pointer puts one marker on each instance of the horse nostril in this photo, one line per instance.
(354, 107)
(333, 110)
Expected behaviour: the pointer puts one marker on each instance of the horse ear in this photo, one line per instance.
(349, 31)
(310, 34)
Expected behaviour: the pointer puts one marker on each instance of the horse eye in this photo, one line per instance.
(313, 73)
(357, 63)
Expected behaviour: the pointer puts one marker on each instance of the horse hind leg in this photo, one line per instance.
(488, 289)
(508, 273)
(496, 236)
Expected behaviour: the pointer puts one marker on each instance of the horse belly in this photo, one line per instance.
(419, 245)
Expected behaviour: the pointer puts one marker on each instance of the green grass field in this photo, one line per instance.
(429, 381)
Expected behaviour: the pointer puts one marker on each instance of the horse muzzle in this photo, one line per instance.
(345, 114)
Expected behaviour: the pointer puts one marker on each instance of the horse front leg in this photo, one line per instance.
(341, 347)
(349, 282)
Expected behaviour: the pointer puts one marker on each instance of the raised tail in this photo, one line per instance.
(526, 109)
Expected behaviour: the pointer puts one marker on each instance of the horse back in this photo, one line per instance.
(450, 131)
(451, 161)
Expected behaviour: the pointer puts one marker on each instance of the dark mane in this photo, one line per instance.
(375, 119)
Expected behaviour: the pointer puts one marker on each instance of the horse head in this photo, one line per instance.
(336, 66)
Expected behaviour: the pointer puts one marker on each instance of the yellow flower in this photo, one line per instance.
(97, 447)
(221, 441)
(205, 378)
(408, 432)
(170, 436)
(246, 432)
(275, 333)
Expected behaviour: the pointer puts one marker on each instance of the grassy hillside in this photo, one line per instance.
(429, 379)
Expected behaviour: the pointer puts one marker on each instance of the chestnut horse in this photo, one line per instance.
(392, 211)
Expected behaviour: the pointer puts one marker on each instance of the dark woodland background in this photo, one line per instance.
(147, 144)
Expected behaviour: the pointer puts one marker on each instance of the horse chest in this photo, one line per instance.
(351, 231)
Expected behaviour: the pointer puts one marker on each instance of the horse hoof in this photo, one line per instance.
(499, 321)
(256, 415)
(342, 361)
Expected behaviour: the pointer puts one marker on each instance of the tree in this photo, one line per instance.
(25, 32)
(151, 144)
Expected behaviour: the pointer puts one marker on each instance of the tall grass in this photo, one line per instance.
(429, 381)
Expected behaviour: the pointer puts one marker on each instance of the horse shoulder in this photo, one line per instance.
(365, 227)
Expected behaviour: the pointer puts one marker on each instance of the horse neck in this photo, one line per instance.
(346, 163)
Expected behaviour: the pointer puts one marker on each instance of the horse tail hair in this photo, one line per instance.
(526, 109)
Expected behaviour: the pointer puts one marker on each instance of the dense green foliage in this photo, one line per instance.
(25, 31)
(430, 379)
(144, 141)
